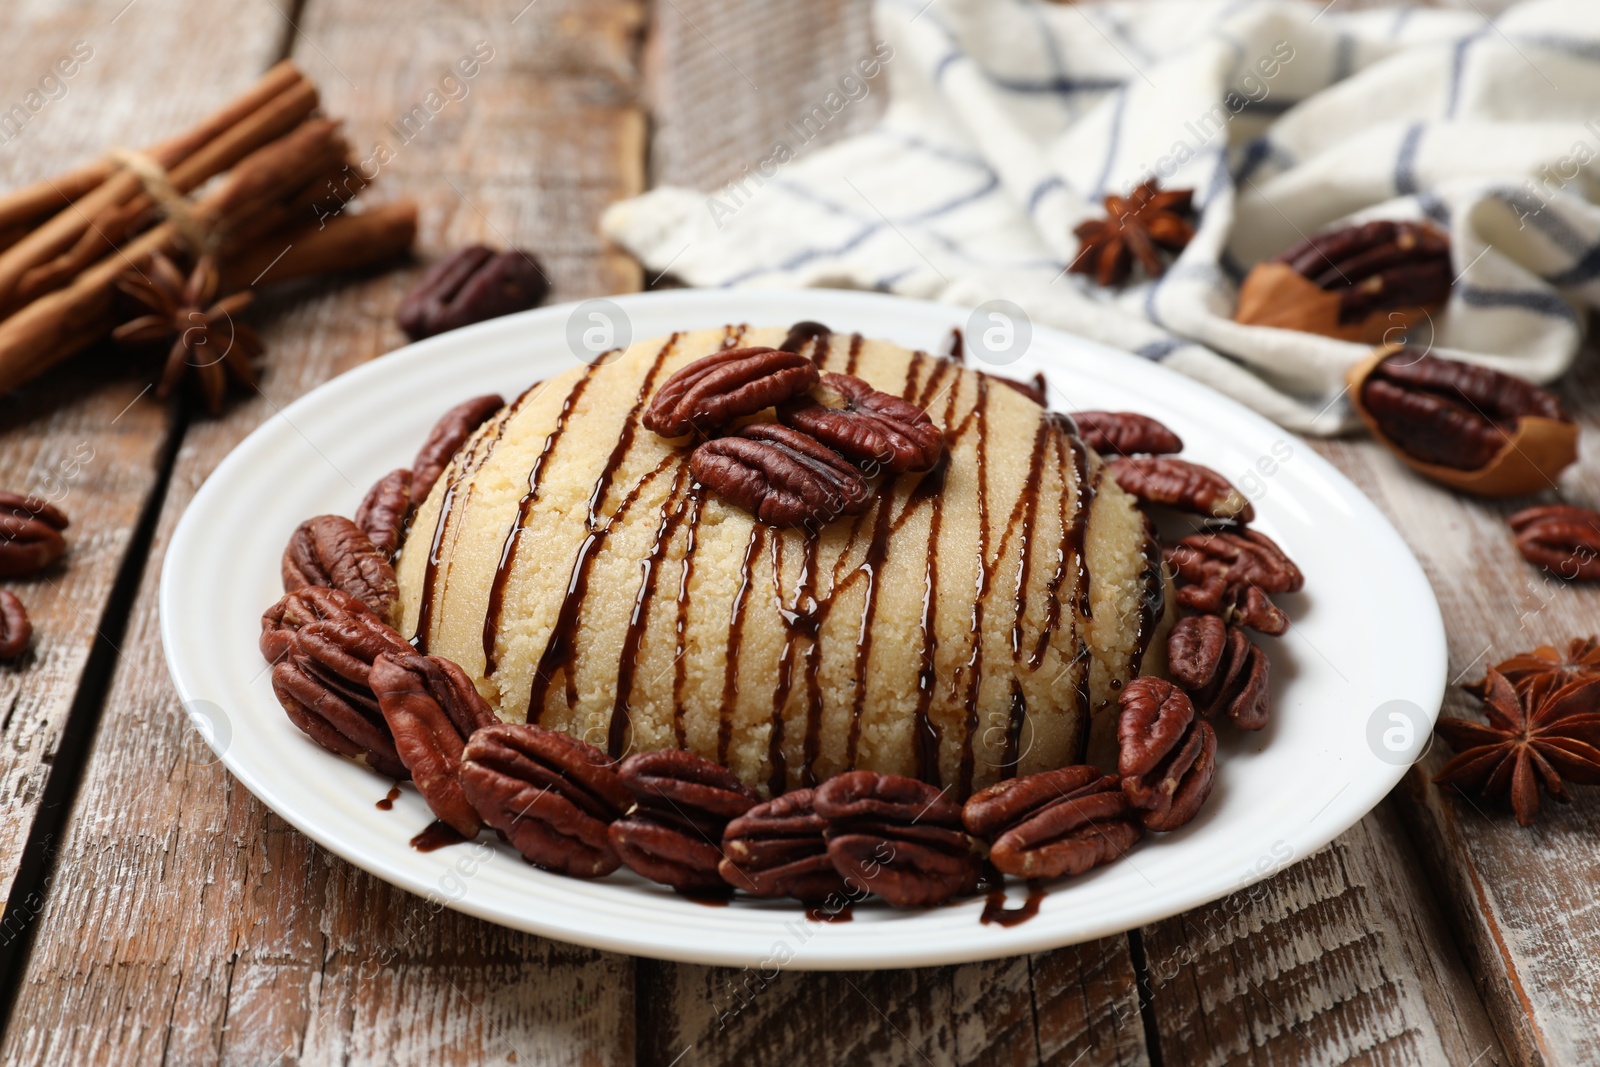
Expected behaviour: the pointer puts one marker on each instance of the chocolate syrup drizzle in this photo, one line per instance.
(483, 447)
(927, 379)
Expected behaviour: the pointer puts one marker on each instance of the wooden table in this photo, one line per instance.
(155, 911)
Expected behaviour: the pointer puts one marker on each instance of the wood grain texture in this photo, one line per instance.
(184, 922)
(977, 1013)
(1524, 903)
(726, 78)
(82, 435)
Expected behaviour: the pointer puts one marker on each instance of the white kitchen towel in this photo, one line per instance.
(1009, 120)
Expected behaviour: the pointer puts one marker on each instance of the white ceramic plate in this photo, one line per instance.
(1356, 682)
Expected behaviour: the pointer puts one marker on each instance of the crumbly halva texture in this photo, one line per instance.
(567, 559)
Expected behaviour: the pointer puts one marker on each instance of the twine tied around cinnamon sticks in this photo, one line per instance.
(287, 174)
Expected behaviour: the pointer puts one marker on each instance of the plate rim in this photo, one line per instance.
(837, 948)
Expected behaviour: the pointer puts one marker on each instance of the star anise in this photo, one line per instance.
(1135, 226)
(1536, 739)
(204, 336)
(1546, 664)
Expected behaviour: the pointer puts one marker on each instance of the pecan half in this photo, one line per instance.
(1166, 755)
(1221, 669)
(30, 535)
(1125, 433)
(1375, 266)
(684, 803)
(1177, 483)
(729, 384)
(1449, 413)
(446, 439)
(314, 603)
(331, 550)
(1053, 824)
(871, 427)
(15, 629)
(432, 707)
(382, 514)
(897, 837)
(334, 712)
(777, 849)
(470, 285)
(551, 795)
(1563, 539)
(781, 476)
(1229, 573)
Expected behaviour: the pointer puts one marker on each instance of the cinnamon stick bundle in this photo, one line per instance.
(280, 160)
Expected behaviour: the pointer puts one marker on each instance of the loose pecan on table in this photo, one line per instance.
(446, 439)
(1179, 484)
(15, 629)
(1167, 756)
(432, 707)
(333, 551)
(1221, 669)
(470, 285)
(684, 803)
(1466, 426)
(1125, 433)
(382, 514)
(781, 476)
(1230, 572)
(897, 837)
(30, 535)
(715, 390)
(1053, 824)
(1563, 539)
(551, 795)
(866, 425)
(777, 849)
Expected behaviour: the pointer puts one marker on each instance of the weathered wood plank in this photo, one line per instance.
(1342, 958)
(1523, 903)
(85, 436)
(185, 922)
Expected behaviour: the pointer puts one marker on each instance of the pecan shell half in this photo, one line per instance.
(333, 551)
(1179, 484)
(684, 803)
(30, 535)
(1053, 824)
(1563, 539)
(383, 511)
(15, 629)
(897, 837)
(446, 439)
(1166, 755)
(1463, 425)
(876, 430)
(1229, 573)
(432, 707)
(1221, 669)
(778, 849)
(470, 285)
(781, 476)
(1125, 433)
(551, 795)
(729, 384)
